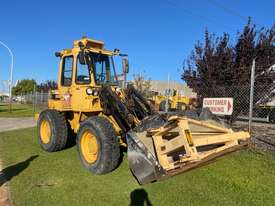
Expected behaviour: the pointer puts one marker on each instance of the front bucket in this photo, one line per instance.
(142, 161)
(178, 145)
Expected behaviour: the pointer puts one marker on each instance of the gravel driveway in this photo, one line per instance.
(263, 135)
(7, 124)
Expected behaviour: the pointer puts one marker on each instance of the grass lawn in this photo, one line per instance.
(41, 178)
(18, 110)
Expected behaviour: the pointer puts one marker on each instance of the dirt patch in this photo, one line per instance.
(263, 135)
(4, 192)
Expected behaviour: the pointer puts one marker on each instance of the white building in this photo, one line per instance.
(161, 86)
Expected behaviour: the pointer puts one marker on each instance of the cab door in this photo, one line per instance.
(82, 80)
(65, 80)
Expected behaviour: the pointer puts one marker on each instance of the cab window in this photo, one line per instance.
(104, 69)
(82, 73)
(67, 69)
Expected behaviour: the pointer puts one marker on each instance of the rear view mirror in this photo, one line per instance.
(81, 57)
(125, 65)
(84, 58)
(58, 54)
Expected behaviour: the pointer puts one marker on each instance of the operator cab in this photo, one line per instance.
(88, 63)
(83, 70)
(99, 66)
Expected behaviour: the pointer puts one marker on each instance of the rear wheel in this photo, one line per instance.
(98, 145)
(52, 130)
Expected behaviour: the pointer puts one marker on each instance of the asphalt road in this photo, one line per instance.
(7, 124)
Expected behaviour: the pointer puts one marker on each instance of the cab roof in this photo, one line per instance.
(88, 44)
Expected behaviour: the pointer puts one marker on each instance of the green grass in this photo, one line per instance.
(18, 110)
(242, 178)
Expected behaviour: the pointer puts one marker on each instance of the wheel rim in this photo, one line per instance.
(89, 147)
(45, 131)
(183, 107)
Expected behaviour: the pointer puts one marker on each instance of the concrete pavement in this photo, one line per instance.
(8, 124)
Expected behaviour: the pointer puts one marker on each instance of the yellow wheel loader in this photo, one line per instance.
(176, 102)
(89, 104)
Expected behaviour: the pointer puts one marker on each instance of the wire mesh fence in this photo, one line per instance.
(38, 100)
(255, 97)
(263, 101)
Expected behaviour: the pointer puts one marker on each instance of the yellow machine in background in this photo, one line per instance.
(90, 108)
(176, 102)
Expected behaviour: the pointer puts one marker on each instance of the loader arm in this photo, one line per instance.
(112, 105)
(128, 109)
(137, 103)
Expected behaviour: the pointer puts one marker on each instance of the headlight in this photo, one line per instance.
(118, 91)
(95, 92)
(92, 91)
(89, 91)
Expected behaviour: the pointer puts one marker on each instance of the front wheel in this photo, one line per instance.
(98, 145)
(162, 106)
(52, 130)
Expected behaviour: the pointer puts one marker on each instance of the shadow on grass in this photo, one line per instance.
(139, 197)
(8, 173)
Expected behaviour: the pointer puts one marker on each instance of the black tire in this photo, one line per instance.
(58, 130)
(162, 105)
(108, 145)
(181, 106)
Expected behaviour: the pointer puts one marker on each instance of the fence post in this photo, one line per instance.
(33, 99)
(252, 80)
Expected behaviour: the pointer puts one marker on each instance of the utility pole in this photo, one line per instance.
(167, 95)
(252, 80)
(11, 74)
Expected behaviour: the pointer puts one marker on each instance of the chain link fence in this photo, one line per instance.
(263, 109)
(253, 108)
(38, 100)
(263, 100)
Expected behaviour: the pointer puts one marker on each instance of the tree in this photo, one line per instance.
(47, 86)
(218, 68)
(24, 86)
(142, 84)
(245, 52)
(218, 63)
(209, 65)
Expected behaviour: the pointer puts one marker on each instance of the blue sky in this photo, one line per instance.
(157, 34)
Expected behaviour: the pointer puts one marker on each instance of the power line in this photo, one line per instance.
(228, 10)
(213, 21)
(231, 11)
